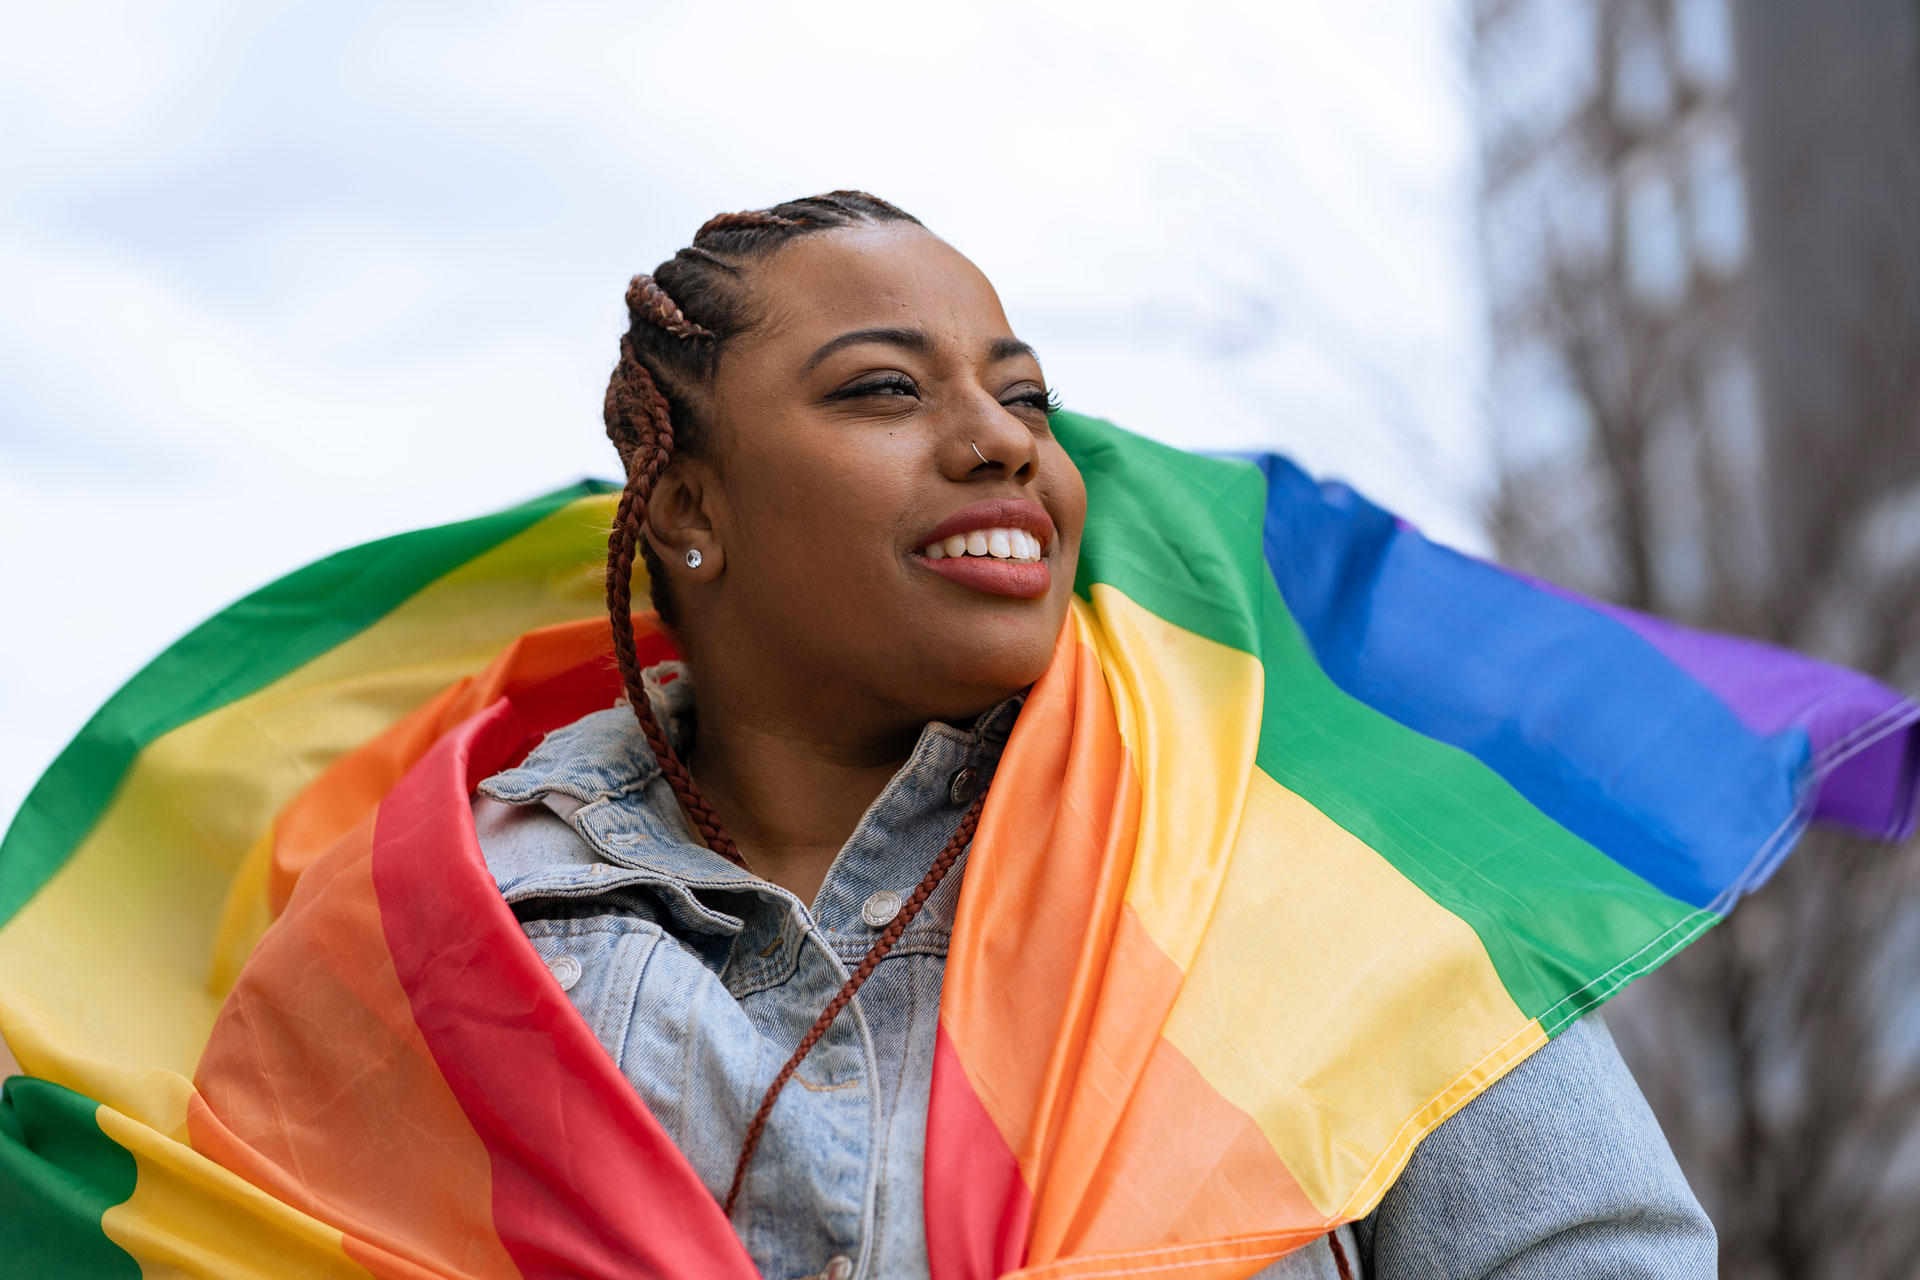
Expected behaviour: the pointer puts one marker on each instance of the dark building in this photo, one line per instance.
(1701, 234)
(1701, 245)
(1830, 101)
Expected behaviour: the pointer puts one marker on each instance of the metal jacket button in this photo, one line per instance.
(839, 1267)
(965, 786)
(565, 971)
(881, 908)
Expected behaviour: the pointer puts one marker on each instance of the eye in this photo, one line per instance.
(890, 384)
(1044, 399)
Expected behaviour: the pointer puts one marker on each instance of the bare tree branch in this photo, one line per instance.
(1771, 1050)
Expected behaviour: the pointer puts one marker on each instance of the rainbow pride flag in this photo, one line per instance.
(1323, 828)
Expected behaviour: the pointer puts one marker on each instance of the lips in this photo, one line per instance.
(998, 547)
(994, 577)
(995, 513)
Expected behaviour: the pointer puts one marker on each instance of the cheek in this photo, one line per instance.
(818, 518)
(1068, 502)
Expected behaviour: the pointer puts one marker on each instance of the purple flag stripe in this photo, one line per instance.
(1864, 737)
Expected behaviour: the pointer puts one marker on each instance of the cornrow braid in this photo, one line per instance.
(681, 317)
(750, 220)
(646, 297)
(667, 360)
(851, 201)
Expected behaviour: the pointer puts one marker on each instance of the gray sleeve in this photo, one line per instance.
(1557, 1172)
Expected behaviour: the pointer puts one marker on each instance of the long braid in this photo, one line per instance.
(665, 351)
(956, 845)
(648, 451)
(1339, 1255)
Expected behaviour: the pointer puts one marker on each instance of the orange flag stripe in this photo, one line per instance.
(1055, 1012)
(353, 785)
(415, 1183)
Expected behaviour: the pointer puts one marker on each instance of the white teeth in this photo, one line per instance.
(1001, 544)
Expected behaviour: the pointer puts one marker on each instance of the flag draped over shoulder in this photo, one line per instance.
(1324, 828)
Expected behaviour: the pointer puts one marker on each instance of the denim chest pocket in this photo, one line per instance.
(671, 1027)
(600, 962)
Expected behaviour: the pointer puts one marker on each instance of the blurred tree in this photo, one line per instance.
(1703, 266)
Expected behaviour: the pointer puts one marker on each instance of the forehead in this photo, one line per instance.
(894, 274)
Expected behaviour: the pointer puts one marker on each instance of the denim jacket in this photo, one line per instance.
(699, 979)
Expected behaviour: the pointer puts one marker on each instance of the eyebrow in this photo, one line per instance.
(915, 341)
(906, 339)
(1009, 349)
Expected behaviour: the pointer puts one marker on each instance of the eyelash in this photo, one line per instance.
(893, 382)
(1047, 401)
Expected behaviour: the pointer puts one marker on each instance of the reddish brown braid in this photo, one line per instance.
(633, 390)
(681, 317)
(956, 845)
(666, 359)
(748, 220)
(1339, 1255)
(645, 297)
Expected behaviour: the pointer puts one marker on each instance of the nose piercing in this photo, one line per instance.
(976, 452)
(693, 558)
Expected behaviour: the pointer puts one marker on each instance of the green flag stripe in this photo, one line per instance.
(1187, 544)
(1153, 531)
(1464, 836)
(58, 1174)
(237, 652)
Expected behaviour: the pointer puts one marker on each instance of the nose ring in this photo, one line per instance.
(976, 452)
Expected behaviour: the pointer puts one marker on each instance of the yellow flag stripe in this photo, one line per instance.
(1239, 879)
(188, 1217)
(87, 954)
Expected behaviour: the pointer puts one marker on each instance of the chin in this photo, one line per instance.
(985, 669)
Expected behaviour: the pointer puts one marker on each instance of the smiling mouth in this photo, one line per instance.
(1014, 546)
(998, 547)
(997, 561)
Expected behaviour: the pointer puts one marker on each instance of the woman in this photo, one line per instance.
(864, 538)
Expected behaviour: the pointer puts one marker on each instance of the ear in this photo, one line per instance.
(680, 518)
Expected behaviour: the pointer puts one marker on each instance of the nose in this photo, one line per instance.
(988, 441)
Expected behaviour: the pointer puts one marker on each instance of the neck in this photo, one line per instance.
(789, 786)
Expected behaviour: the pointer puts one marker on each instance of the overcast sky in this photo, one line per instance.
(279, 279)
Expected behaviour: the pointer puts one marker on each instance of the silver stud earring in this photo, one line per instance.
(693, 558)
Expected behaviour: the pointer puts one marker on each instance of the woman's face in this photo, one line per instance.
(882, 510)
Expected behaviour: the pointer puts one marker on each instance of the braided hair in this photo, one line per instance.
(679, 319)
(667, 358)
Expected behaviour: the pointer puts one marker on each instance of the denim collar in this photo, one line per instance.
(600, 775)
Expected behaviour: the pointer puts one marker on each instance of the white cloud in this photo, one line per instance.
(283, 278)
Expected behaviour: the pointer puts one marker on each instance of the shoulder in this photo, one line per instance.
(601, 754)
(1559, 1169)
(586, 787)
